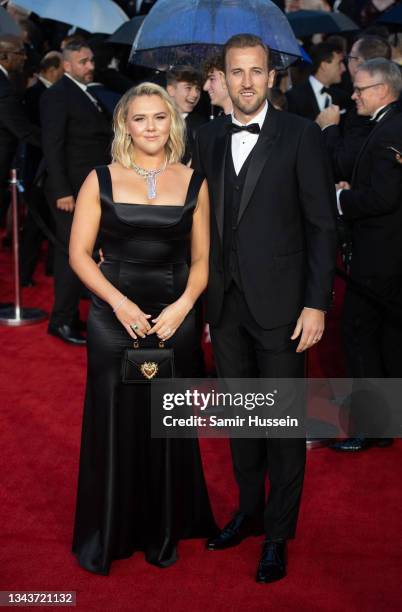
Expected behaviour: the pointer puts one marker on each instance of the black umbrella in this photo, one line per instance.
(394, 15)
(7, 24)
(307, 23)
(126, 33)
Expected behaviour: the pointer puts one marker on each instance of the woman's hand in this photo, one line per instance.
(170, 319)
(133, 319)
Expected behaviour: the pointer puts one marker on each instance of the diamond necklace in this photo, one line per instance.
(150, 177)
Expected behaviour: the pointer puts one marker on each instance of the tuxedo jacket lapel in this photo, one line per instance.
(377, 126)
(259, 157)
(219, 160)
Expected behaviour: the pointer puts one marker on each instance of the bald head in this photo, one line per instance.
(51, 66)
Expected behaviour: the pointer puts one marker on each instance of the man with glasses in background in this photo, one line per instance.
(344, 140)
(372, 204)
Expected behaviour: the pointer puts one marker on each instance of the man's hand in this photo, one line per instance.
(342, 185)
(67, 204)
(329, 116)
(310, 325)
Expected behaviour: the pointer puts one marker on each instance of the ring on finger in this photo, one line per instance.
(134, 327)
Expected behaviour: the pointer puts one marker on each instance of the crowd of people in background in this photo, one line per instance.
(58, 91)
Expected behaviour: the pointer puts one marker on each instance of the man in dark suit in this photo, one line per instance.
(15, 126)
(50, 71)
(372, 321)
(345, 140)
(318, 92)
(271, 266)
(76, 137)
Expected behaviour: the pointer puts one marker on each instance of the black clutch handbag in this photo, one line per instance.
(141, 365)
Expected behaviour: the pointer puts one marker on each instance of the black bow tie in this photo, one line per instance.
(253, 128)
(324, 90)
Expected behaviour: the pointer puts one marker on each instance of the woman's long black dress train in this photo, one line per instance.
(136, 492)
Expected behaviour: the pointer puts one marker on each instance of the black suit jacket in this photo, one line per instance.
(374, 202)
(31, 101)
(193, 122)
(302, 101)
(15, 126)
(344, 143)
(76, 137)
(286, 222)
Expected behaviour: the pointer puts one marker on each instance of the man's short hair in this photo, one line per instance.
(75, 44)
(184, 74)
(386, 71)
(52, 59)
(323, 52)
(214, 62)
(9, 42)
(371, 47)
(242, 41)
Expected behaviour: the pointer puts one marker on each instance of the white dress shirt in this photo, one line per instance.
(323, 99)
(45, 82)
(4, 70)
(244, 142)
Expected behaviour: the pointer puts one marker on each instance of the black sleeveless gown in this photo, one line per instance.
(136, 492)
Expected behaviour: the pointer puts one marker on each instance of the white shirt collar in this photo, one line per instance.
(260, 118)
(377, 113)
(80, 85)
(316, 84)
(4, 70)
(42, 79)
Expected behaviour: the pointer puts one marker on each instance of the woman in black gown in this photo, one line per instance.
(150, 215)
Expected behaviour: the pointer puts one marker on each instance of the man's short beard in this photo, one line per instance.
(248, 110)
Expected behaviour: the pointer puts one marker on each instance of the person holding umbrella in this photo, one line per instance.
(272, 259)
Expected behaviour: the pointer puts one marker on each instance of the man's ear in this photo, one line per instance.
(271, 78)
(171, 89)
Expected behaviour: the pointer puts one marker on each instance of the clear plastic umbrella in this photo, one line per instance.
(187, 31)
(95, 16)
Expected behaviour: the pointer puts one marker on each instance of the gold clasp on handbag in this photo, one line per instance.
(149, 369)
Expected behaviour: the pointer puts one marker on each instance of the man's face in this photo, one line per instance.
(334, 69)
(15, 58)
(80, 65)
(368, 94)
(247, 80)
(185, 94)
(354, 60)
(216, 87)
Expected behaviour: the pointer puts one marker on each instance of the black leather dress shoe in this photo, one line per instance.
(353, 445)
(67, 333)
(239, 528)
(272, 565)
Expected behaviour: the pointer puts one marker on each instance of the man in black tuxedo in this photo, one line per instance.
(76, 137)
(372, 321)
(272, 260)
(15, 126)
(318, 92)
(344, 140)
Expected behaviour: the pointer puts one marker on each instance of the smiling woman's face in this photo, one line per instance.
(148, 123)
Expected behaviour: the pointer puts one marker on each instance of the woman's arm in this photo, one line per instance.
(173, 315)
(82, 241)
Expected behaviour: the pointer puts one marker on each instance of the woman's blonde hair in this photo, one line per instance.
(122, 145)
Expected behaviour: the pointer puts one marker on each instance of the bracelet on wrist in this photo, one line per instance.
(120, 304)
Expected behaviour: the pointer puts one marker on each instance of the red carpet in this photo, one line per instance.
(347, 556)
